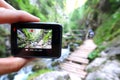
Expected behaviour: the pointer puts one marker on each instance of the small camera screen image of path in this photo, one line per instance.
(76, 63)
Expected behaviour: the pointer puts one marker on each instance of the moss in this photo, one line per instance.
(38, 73)
(99, 79)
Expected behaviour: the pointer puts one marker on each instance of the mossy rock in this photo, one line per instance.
(38, 67)
(72, 47)
(56, 63)
(38, 73)
(79, 42)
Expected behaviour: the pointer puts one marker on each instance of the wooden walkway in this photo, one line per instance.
(77, 61)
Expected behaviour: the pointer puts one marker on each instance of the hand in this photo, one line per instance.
(8, 14)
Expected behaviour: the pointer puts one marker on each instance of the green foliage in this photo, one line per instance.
(38, 73)
(96, 52)
(109, 29)
(92, 3)
(76, 16)
(25, 5)
(3, 33)
(29, 36)
(110, 26)
(115, 4)
(47, 36)
(46, 10)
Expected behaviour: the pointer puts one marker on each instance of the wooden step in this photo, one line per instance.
(79, 52)
(82, 50)
(76, 71)
(87, 47)
(82, 55)
(74, 65)
(78, 59)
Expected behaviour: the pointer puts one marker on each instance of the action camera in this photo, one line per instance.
(36, 39)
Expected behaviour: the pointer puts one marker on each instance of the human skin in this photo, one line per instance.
(9, 15)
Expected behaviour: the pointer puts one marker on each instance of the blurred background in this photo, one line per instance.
(97, 20)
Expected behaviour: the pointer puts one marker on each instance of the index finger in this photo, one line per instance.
(6, 5)
(12, 16)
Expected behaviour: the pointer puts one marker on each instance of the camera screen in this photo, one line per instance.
(34, 38)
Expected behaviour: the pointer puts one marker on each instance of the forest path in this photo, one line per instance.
(77, 61)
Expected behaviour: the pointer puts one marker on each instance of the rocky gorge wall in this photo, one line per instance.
(107, 65)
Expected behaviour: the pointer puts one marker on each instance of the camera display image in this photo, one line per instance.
(34, 38)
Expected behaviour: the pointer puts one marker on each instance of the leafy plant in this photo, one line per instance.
(47, 36)
(96, 52)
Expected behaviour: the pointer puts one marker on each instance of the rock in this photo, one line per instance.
(96, 64)
(101, 76)
(55, 63)
(113, 51)
(37, 67)
(104, 70)
(107, 66)
(55, 75)
(74, 77)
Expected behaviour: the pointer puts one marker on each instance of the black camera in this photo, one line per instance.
(36, 39)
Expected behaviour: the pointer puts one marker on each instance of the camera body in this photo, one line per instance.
(36, 39)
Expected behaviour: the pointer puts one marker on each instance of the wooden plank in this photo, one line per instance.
(83, 51)
(80, 52)
(74, 65)
(78, 59)
(82, 55)
(86, 47)
(81, 73)
(77, 70)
